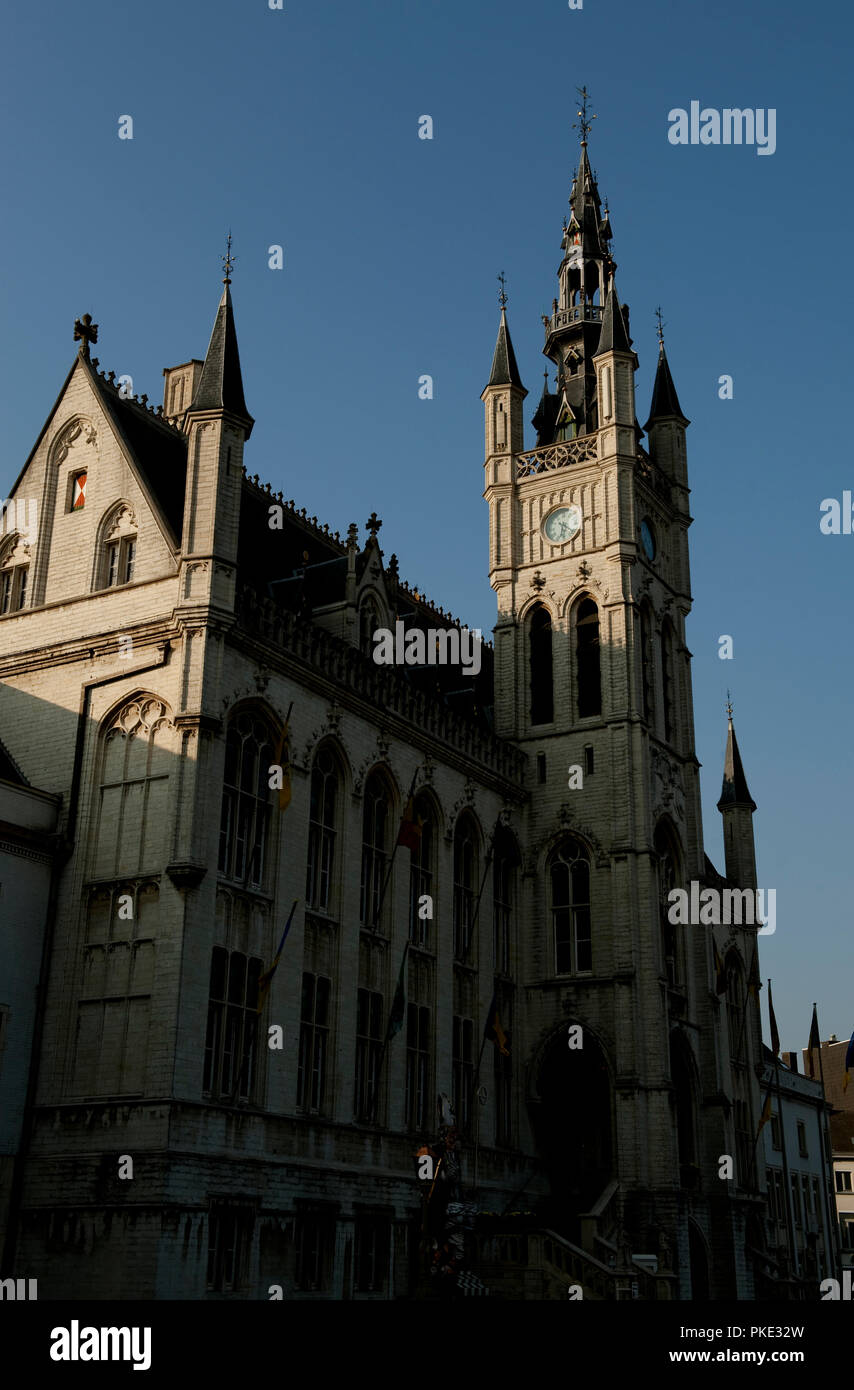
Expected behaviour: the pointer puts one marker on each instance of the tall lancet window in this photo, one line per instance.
(587, 667)
(569, 876)
(667, 682)
(375, 823)
(542, 684)
(646, 662)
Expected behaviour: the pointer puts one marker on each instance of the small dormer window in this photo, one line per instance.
(117, 553)
(120, 561)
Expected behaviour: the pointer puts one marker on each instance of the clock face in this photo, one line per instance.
(562, 524)
(648, 539)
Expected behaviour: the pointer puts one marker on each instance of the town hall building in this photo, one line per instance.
(171, 631)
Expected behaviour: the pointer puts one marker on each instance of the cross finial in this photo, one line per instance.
(85, 332)
(584, 122)
(728, 705)
(373, 524)
(502, 293)
(660, 327)
(228, 260)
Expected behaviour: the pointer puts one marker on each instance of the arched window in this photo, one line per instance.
(322, 831)
(131, 834)
(542, 687)
(245, 815)
(14, 574)
(116, 561)
(504, 864)
(421, 871)
(667, 682)
(683, 1101)
(647, 677)
(465, 884)
(375, 823)
(588, 678)
(569, 883)
(669, 875)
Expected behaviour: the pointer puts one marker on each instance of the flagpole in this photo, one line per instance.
(477, 1106)
(790, 1225)
(388, 1036)
(490, 854)
(395, 848)
(832, 1226)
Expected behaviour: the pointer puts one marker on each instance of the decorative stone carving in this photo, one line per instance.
(77, 429)
(668, 786)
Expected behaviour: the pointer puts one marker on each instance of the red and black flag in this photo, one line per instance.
(409, 834)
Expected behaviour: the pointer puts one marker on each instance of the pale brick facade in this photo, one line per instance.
(256, 1167)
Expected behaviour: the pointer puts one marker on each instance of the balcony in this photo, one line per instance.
(563, 455)
(578, 313)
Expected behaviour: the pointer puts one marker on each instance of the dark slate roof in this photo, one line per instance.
(734, 791)
(614, 336)
(266, 554)
(157, 450)
(665, 402)
(504, 370)
(9, 770)
(221, 384)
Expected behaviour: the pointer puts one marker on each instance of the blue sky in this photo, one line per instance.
(299, 127)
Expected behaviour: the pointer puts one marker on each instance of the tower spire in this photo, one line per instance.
(221, 383)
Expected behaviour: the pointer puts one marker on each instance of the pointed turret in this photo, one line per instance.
(614, 336)
(503, 395)
(217, 425)
(737, 806)
(504, 369)
(734, 791)
(221, 383)
(666, 424)
(665, 402)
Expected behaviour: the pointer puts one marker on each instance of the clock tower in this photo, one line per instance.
(588, 555)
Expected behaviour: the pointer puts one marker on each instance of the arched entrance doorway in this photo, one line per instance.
(573, 1129)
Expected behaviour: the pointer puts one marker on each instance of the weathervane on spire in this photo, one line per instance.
(661, 339)
(502, 293)
(228, 261)
(728, 705)
(583, 123)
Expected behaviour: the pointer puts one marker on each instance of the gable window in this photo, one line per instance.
(121, 555)
(14, 573)
(566, 426)
(540, 638)
(569, 875)
(116, 554)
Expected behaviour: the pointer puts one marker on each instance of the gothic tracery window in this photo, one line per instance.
(465, 884)
(569, 885)
(375, 831)
(116, 560)
(325, 777)
(245, 812)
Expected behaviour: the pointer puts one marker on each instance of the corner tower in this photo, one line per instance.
(589, 561)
